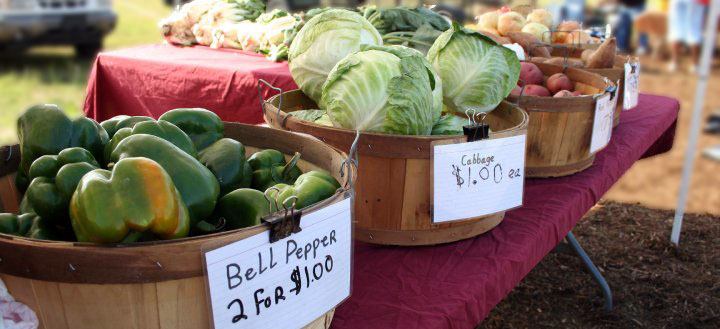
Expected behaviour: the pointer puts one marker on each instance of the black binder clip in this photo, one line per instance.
(612, 90)
(476, 131)
(283, 222)
(632, 65)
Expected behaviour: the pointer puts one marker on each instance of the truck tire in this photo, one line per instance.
(88, 49)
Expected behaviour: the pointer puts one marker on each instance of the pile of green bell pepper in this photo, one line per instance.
(156, 179)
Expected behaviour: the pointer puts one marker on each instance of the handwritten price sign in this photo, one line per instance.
(632, 80)
(477, 178)
(286, 284)
(603, 122)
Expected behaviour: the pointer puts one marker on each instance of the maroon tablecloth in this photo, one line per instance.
(150, 80)
(456, 285)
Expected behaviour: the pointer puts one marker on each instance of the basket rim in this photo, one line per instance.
(415, 146)
(143, 262)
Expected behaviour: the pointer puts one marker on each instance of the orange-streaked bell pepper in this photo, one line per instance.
(137, 197)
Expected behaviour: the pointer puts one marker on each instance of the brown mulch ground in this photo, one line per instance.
(654, 284)
(655, 182)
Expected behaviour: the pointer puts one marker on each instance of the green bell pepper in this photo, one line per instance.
(43, 229)
(45, 199)
(269, 168)
(226, 159)
(110, 125)
(88, 134)
(49, 196)
(42, 129)
(16, 224)
(30, 225)
(137, 196)
(118, 122)
(114, 141)
(48, 165)
(243, 208)
(162, 129)
(25, 206)
(69, 176)
(310, 188)
(53, 180)
(46, 130)
(197, 184)
(204, 127)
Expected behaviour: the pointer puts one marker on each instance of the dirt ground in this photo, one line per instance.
(655, 182)
(654, 285)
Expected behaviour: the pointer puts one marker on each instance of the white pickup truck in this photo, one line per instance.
(81, 23)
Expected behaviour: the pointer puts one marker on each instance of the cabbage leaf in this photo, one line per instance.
(449, 124)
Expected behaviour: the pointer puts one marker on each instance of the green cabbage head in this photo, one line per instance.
(324, 40)
(477, 72)
(382, 89)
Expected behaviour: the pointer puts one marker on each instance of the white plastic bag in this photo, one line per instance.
(15, 315)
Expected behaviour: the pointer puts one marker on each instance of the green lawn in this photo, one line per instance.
(54, 75)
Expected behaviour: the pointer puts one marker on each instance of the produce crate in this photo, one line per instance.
(159, 284)
(560, 130)
(393, 204)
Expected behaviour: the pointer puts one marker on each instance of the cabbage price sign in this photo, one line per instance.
(286, 284)
(477, 178)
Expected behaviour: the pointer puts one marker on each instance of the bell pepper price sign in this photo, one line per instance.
(477, 178)
(603, 121)
(632, 79)
(286, 284)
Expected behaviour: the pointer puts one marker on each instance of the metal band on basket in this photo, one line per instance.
(280, 104)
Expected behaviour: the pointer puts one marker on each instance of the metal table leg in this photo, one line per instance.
(593, 270)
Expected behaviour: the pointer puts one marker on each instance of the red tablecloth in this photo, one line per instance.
(150, 80)
(456, 285)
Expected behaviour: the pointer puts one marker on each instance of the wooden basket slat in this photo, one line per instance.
(615, 74)
(560, 129)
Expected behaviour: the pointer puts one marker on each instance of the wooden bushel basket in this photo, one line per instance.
(392, 200)
(560, 130)
(615, 74)
(147, 285)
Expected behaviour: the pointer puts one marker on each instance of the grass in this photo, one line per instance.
(54, 75)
